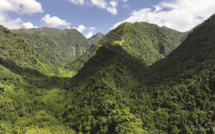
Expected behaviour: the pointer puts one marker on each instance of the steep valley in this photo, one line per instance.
(138, 79)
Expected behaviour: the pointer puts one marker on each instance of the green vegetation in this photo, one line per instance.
(31, 97)
(138, 79)
(59, 47)
(17, 52)
(146, 42)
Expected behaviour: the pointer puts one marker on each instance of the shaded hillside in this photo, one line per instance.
(60, 47)
(96, 37)
(145, 41)
(195, 53)
(182, 84)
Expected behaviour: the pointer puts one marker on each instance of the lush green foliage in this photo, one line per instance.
(146, 42)
(124, 85)
(31, 97)
(59, 47)
(16, 51)
(118, 92)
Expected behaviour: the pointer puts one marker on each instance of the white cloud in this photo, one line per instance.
(20, 7)
(88, 35)
(7, 6)
(103, 4)
(28, 25)
(80, 28)
(99, 3)
(181, 15)
(78, 2)
(12, 24)
(30, 6)
(113, 3)
(92, 28)
(112, 10)
(91, 32)
(111, 7)
(54, 21)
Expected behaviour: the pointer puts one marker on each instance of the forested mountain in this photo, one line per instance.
(181, 86)
(174, 95)
(25, 82)
(60, 47)
(147, 42)
(96, 37)
(16, 51)
(138, 79)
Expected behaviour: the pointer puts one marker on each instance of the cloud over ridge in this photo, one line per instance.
(54, 21)
(181, 15)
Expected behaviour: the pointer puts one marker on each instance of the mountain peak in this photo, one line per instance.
(96, 37)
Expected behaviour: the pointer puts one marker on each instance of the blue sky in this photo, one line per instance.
(92, 16)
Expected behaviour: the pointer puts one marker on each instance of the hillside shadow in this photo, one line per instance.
(34, 77)
(113, 58)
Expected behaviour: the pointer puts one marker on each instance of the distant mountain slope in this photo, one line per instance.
(96, 37)
(145, 41)
(60, 47)
(14, 51)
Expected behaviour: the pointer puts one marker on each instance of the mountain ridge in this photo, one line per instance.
(59, 47)
(119, 34)
(169, 95)
(117, 66)
(96, 37)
